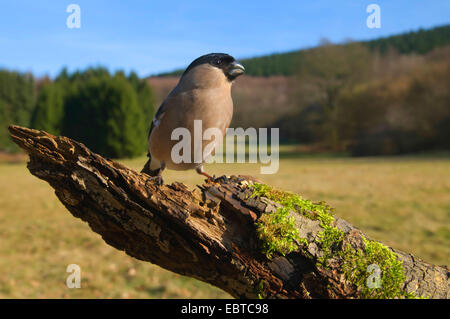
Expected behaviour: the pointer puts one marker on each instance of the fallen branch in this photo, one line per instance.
(211, 233)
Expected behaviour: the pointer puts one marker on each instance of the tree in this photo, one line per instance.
(146, 96)
(327, 71)
(109, 113)
(4, 122)
(104, 113)
(235, 233)
(17, 100)
(401, 113)
(49, 111)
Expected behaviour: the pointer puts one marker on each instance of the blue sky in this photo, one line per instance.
(154, 36)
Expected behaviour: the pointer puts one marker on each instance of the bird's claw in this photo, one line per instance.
(158, 180)
(209, 177)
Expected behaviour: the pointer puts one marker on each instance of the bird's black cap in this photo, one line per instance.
(220, 60)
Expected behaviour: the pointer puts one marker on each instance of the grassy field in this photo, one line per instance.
(403, 201)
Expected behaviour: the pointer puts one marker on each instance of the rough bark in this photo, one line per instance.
(207, 233)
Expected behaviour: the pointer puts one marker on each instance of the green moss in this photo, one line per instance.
(278, 233)
(355, 267)
(270, 226)
(276, 230)
(260, 289)
(319, 211)
(329, 239)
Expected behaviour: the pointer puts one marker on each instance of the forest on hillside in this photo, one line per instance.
(385, 96)
(349, 99)
(414, 42)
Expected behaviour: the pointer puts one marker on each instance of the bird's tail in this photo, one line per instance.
(147, 169)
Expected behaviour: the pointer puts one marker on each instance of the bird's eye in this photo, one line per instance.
(218, 62)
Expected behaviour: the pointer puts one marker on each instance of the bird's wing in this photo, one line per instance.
(157, 118)
(155, 122)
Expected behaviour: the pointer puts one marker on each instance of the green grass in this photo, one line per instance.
(402, 201)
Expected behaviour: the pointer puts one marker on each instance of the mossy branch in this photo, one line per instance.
(244, 237)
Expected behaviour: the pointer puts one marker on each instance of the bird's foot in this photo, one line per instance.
(213, 178)
(158, 180)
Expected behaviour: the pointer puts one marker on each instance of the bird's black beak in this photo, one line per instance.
(235, 69)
